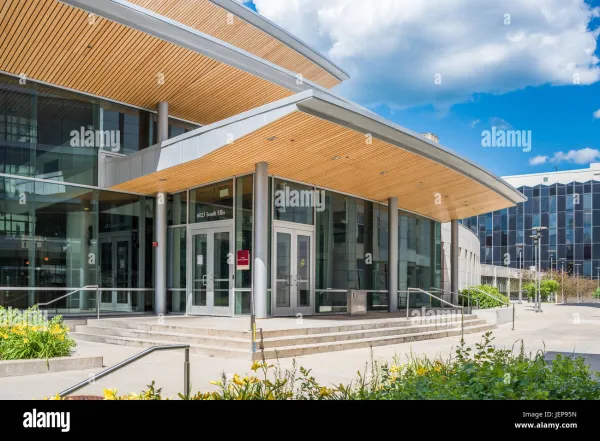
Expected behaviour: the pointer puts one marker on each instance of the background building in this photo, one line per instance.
(566, 202)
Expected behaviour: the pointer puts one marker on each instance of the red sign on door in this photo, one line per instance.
(243, 260)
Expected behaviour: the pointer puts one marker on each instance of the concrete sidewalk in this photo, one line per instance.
(572, 328)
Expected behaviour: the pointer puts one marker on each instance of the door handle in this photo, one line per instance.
(204, 279)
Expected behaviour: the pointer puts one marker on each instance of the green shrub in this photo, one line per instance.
(484, 301)
(547, 287)
(486, 373)
(28, 334)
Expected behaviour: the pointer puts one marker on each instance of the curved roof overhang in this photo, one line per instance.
(316, 138)
(123, 52)
(251, 32)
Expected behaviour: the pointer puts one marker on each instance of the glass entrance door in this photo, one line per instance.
(115, 272)
(211, 271)
(293, 272)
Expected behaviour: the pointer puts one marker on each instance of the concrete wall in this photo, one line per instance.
(468, 264)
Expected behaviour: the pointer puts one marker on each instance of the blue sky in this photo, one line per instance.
(506, 64)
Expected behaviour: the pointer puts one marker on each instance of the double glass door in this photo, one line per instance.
(293, 291)
(211, 270)
(115, 272)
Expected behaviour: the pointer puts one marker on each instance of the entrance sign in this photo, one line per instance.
(243, 260)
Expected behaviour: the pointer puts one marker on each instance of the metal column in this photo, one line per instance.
(160, 225)
(162, 122)
(261, 239)
(393, 254)
(454, 260)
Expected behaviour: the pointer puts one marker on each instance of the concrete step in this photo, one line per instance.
(145, 326)
(295, 330)
(211, 351)
(299, 350)
(214, 341)
(299, 330)
(104, 328)
(308, 339)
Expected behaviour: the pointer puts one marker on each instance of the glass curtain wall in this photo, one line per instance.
(571, 214)
(50, 133)
(352, 252)
(61, 237)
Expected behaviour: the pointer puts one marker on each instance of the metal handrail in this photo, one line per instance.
(462, 308)
(491, 296)
(84, 288)
(458, 294)
(118, 366)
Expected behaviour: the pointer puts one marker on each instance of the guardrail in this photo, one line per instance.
(118, 366)
(462, 308)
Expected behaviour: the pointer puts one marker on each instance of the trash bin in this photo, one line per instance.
(357, 302)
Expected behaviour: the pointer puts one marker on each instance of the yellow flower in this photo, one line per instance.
(110, 394)
(324, 392)
(421, 371)
(437, 368)
(5, 336)
(25, 340)
(256, 366)
(237, 380)
(61, 338)
(216, 383)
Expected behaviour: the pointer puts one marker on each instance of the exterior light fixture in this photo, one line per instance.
(272, 138)
(383, 173)
(335, 158)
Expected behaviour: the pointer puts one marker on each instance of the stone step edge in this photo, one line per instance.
(449, 325)
(298, 332)
(484, 327)
(161, 342)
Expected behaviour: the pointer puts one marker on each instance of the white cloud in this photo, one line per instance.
(597, 114)
(538, 160)
(394, 49)
(581, 156)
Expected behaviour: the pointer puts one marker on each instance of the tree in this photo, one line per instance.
(596, 294)
(547, 287)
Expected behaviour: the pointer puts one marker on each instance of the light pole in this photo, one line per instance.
(520, 248)
(577, 265)
(537, 242)
(562, 270)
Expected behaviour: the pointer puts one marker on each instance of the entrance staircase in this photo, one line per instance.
(281, 343)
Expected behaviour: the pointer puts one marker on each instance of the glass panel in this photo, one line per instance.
(106, 270)
(303, 270)
(199, 272)
(123, 270)
(295, 202)
(243, 227)
(177, 209)
(221, 269)
(212, 203)
(283, 269)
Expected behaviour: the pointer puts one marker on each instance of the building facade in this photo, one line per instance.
(171, 164)
(566, 203)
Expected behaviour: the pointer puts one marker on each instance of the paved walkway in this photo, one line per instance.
(560, 329)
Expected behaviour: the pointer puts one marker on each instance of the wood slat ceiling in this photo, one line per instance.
(304, 149)
(213, 20)
(54, 42)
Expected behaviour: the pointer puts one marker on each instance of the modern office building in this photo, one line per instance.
(184, 155)
(567, 203)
